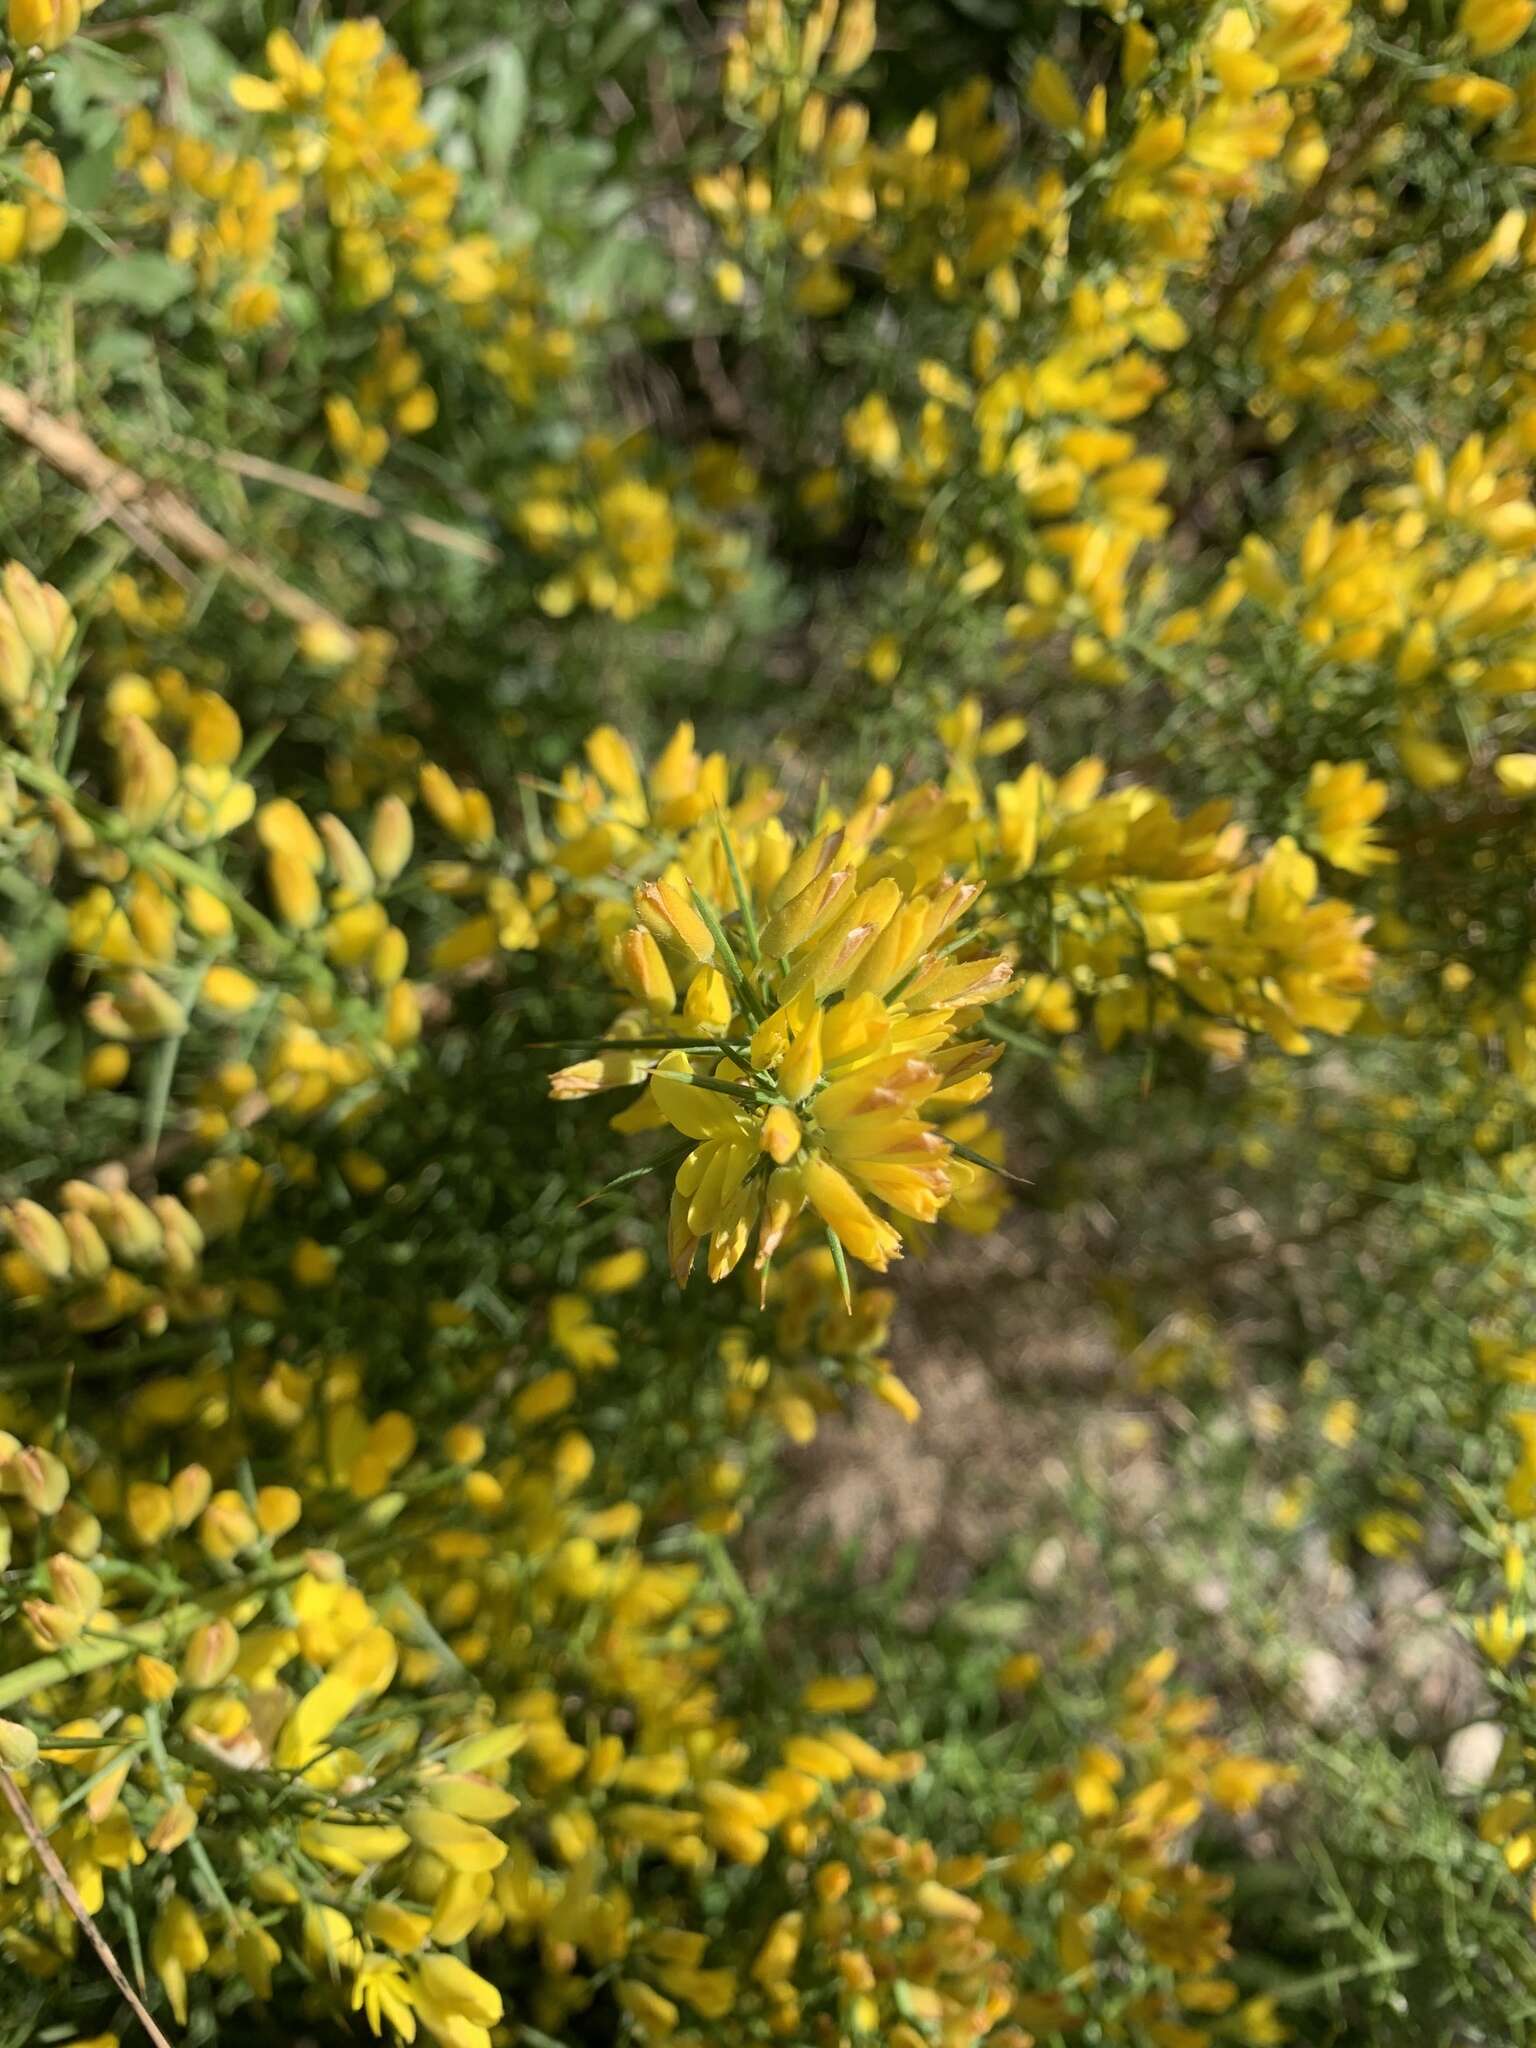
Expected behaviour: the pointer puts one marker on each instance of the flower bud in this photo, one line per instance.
(402, 1017)
(227, 990)
(40, 1235)
(961, 982)
(283, 828)
(855, 38)
(155, 1679)
(42, 613)
(670, 917)
(707, 1005)
(78, 1530)
(51, 1627)
(176, 1825)
(391, 839)
(42, 24)
(39, 1477)
(15, 661)
(326, 644)
(190, 1488)
(210, 1653)
(132, 1229)
(807, 914)
(278, 1509)
(227, 1526)
(141, 1009)
(214, 735)
(780, 1137)
(147, 774)
(349, 863)
(75, 1585)
(644, 972)
(465, 814)
(390, 957)
(1490, 25)
(801, 1066)
(88, 1254)
(148, 1511)
(183, 1233)
(18, 1746)
(294, 889)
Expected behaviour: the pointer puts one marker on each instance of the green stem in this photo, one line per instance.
(98, 1651)
(13, 84)
(201, 1862)
(31, 1372)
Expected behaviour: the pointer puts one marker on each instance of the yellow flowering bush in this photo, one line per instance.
(936, 603)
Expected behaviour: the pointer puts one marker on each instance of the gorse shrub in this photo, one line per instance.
(940, 609)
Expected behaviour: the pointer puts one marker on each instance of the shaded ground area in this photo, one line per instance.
(1013, 1368)
(1037, 1443)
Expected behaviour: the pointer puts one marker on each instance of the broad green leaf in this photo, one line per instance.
(89, 178)
(95, 75)
(198, 55)
(121, 352)
(502, 110)
(146, 282)
(632, 27)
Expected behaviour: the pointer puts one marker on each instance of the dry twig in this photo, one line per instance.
(434, 531)
(43, 1849)
(137, 505)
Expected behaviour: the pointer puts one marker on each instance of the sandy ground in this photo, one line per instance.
(1027, 1398)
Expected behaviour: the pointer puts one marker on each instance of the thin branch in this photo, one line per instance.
(116, 487)
(434, 531)
(127, 521)
(44, 1851)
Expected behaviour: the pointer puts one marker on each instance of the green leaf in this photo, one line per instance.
(560, 178)
(198, 55)
(146, 282)
(992, 1618)
(840, 1265)
(503, 110)
(988, 1165)
(727, 957)
(633, 25)
(89, 178)
(743, 898)
(121, 352)
(97, 75)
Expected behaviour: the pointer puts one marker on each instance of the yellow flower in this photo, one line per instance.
(43, 24)
(1492, 25)
(382, 1992)
(1500, 1635)
(294, 83)
(838, 1695)
(1051, 96)
(178, 1949)
(446, 1992)
(1343, 803)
